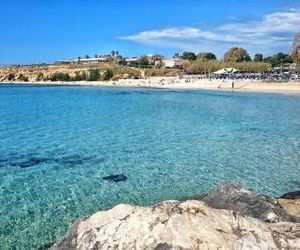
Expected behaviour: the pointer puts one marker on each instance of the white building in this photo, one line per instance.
(174, 62)
(132, 59)
(94, 60)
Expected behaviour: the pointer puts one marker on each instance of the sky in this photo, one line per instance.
(36, 31)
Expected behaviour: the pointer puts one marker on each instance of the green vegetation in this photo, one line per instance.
(157, 72)
(278, 59)
(40, 77)
(191, 56)
(23, 78)
(58, 76)
(144, 61)
(79, 76)
(200, 66)
(118, 68)
(108, 75)
(94, 75)
(258, 58)
(236, 54)
(204, 56)
(11, 77)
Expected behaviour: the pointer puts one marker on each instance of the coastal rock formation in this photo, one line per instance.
(189, 224)
(292, 206)
(234, 197)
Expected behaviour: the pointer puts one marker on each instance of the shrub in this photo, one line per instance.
(40, 76)
(108, 75)
(23, 78)
(94, 75)
(157, 72)
(79, 76)
(59, 76)
(11, 77)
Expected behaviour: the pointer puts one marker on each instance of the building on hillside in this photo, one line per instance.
(94, 60)
(132, 60)
(174, 63)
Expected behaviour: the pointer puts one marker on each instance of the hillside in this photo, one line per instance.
(76, 72)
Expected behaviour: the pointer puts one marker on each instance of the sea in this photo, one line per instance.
(57, 143)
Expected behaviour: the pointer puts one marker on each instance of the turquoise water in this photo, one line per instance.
(57, 143)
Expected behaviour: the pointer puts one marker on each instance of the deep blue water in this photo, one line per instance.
(57, 143)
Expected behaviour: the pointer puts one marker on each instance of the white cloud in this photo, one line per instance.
(273, 32)
(182, 33)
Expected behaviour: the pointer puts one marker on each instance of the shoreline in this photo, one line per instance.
(290, 87)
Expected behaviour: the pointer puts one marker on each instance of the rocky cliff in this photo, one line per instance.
(229, 217)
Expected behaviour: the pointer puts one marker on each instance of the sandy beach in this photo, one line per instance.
(290, 87)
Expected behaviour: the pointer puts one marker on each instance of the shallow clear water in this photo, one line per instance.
(57, 143)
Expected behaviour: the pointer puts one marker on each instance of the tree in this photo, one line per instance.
(96, 56)
(206, 56)
(176, 55)
(191, 56)
(278, 59)
(258, 57)
(113, 53)
(157, 57)
(144, 61)
(86, 56)
(236, 54)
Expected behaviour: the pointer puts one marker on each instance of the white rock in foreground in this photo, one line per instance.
(178, 225)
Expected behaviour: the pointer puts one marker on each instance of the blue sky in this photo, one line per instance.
(47, 30)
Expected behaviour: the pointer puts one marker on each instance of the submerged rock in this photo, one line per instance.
(291, 195)
(115, 178)
(189, 224)
(31, 162)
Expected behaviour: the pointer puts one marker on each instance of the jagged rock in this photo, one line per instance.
(192, 224)
(177, 225)
(292, 206)
(240, 200)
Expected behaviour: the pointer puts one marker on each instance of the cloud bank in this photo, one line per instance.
(271, 33)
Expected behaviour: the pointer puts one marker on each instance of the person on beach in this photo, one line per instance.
(232, 84)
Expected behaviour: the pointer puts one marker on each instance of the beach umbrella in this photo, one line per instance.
(226, 71)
